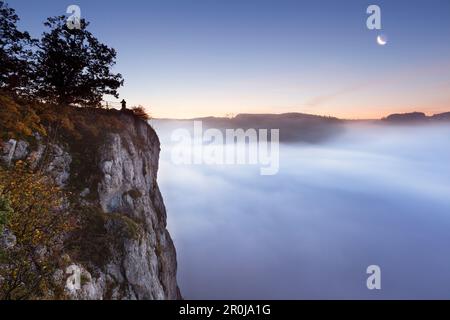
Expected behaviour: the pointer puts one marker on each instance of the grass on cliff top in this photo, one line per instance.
(21, 119)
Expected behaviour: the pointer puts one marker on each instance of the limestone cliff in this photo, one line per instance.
(122, 248)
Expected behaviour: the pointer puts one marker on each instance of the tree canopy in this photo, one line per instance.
(67, 66)
(73, 66)
(16, 53)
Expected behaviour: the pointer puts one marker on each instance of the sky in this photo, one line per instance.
(193, 58)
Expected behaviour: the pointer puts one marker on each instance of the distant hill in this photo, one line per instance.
(416, 117)
(294, 127)
(298, 127)
(402, 117)
(441, 116)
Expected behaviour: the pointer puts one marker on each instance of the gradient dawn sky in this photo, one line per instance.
(190, 58)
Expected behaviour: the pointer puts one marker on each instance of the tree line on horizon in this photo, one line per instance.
(64, 67)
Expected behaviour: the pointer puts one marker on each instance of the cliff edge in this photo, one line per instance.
(107, 162)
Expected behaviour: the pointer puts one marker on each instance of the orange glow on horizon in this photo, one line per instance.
(348, 114)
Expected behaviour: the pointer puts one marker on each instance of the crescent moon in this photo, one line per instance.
(381, 41)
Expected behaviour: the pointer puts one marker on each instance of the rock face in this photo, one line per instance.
(14, 150)
(141, 260)
(7, 239)
(129, 165)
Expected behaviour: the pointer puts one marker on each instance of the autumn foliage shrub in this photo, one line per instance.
(31, 212)
(17, 121)
(141, 113)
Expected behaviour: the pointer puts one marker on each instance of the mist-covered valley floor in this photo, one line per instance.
(374, 194)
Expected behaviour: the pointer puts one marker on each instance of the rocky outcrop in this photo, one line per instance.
(7, 239)
(129, 165)
(14, 150)
(138, 258)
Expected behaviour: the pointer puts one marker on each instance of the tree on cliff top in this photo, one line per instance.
(16, 54)
(74, 67)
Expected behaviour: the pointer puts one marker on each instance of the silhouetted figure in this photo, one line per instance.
(124, 105)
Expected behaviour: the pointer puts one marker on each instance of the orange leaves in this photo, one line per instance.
(38, 224)
(141, 113)
(18, 121)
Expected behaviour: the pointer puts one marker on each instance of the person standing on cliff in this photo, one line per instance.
(124, 105)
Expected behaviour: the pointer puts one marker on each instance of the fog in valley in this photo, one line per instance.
(370, 194)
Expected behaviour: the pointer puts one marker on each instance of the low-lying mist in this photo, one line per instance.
(372, 195)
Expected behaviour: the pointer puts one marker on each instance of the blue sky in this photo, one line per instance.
(186, 58)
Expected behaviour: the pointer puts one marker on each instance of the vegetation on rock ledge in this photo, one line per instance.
(32, 214)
